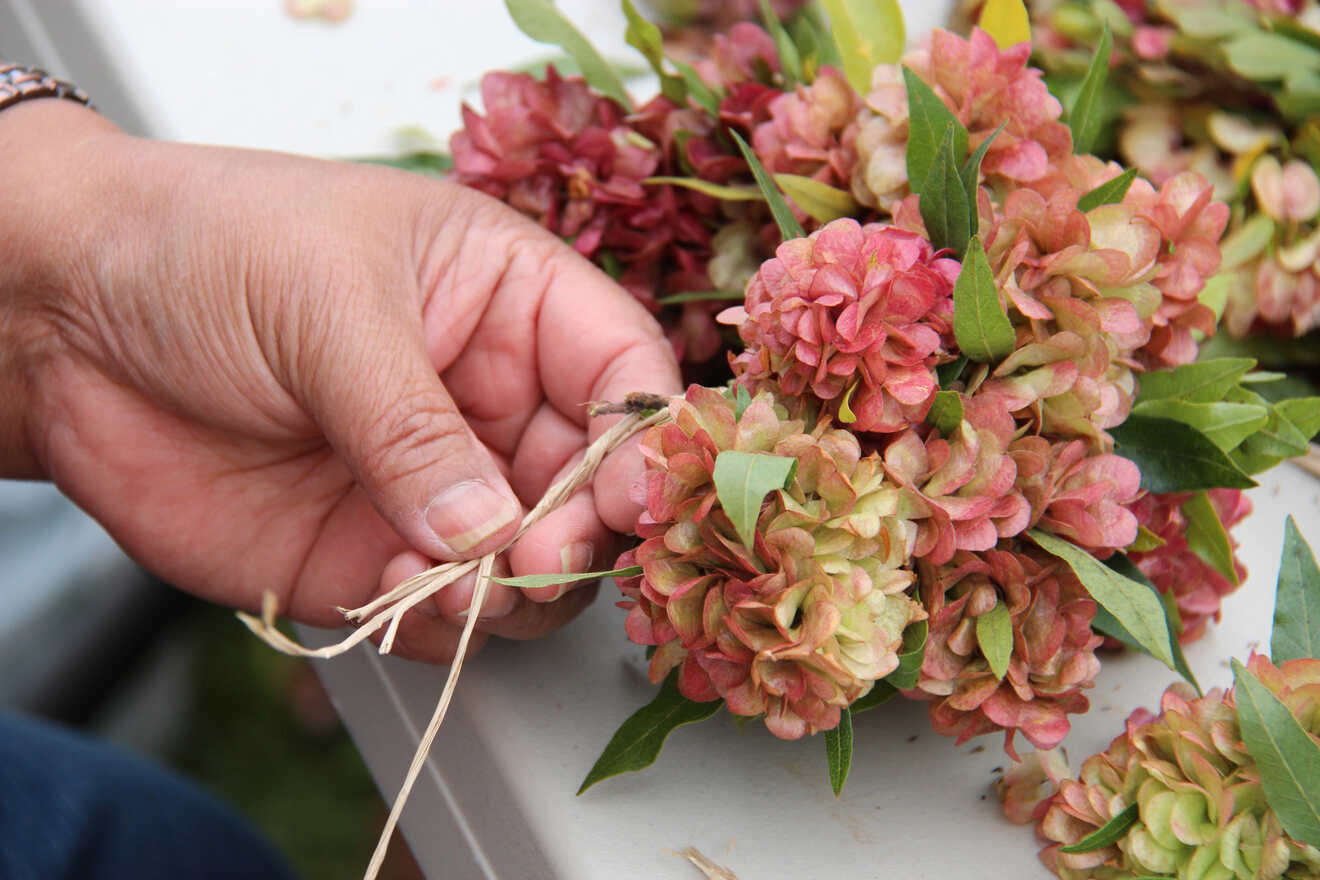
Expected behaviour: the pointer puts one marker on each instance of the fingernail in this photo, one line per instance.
(576, 558)
(468, 513)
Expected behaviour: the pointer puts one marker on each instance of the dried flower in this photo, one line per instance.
(805, 621)
(851, 314)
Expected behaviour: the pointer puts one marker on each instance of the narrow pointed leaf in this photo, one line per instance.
(1286, 755)
(646, 38)
(700, 296)
(994, 633)
(1200, 382)
(1146, 541)
(1174, 457)
(540, 20)
(1132, 604)
(1247, 241)
(820, 201)
(950, 372)
(812, 17)
(1109, 834)
(867, 32)
(742, 399)
(790, 62)
(1111, 192)
(1006, 21)
(880, 692)
(970, 173)
(1226, 424)
(839, 751)
(807, 41)
(943, 204)
(1105, 623)
(910, 657)
(846, 414)
(1303, 412)
(1087, 113)
(715, 190)
(784, 219)
(420, 162)
(983, 330)
(1296, 600)
(742, 480)
(1206, 536)
(946, 413)
(928, 118)
(700, 93)
(637, 742)
(535, 581)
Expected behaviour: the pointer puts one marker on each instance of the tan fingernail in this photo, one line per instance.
(468, 513)
(576, 558)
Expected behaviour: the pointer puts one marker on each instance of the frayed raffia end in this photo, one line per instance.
(388, 609)
(708, 868)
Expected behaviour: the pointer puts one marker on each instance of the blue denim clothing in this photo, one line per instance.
(73, 809)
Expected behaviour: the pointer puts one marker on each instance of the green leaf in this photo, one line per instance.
(982, 329)
(790, 62)
(928, 119)
(949, 373)
(742, 480)
(699, 296)
(1087, 113)
(540, 20)
(880, 692)
(1246, 242)
(994, 633)
(1110, 833)
(943, 203)
(970, 173)
(646, 38)
(1206, 536)
(784, 219)
(1286, 755)
(867, 32)
(536, 581)
(839, 751)
(1131, 603)
(1200, 382)
(820, 201)
(1111, 192)
(1174, 457)
(697, 89)
(810, 17)
(1226, 424)
(1005, 21)
(1296, 600)
(742, 398)
(1280, 439)
(910, 657)
(846, 414)
(637, 742)
(1262, 56)
(715, 190)
(1302, 412)
(1146, 541)
(1106, 624)
(946, 412)
(422, 162)
(807, 41)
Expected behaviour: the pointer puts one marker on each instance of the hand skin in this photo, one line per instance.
(260, 372)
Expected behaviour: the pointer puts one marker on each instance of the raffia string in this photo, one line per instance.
(388, 609)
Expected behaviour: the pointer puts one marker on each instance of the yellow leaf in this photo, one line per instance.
(1006, 21)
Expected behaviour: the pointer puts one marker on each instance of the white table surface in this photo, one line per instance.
(497, 798)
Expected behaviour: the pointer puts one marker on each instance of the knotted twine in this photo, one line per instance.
(388, 609)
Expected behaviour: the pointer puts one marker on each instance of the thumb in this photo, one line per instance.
(385, 411)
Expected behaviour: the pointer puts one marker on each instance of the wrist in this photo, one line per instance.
(51, 222)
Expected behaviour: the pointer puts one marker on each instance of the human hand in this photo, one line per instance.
(230, 359)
